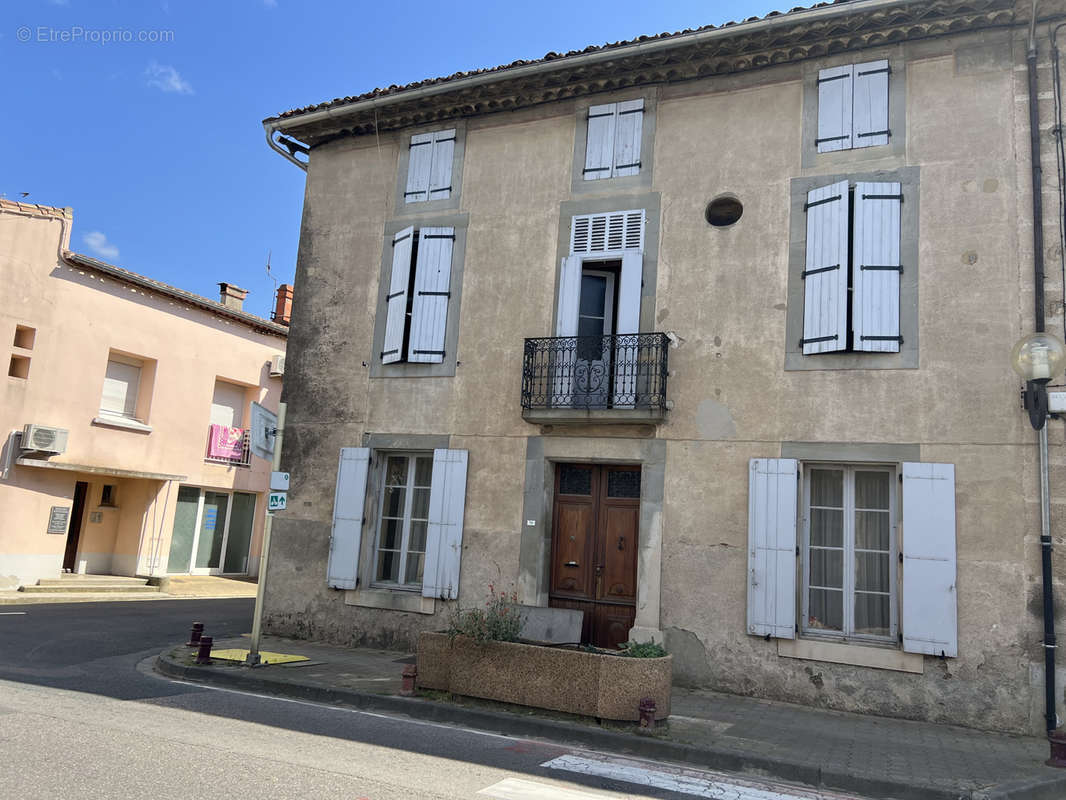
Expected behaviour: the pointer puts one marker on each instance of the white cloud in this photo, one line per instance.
(97, 242)
(166, 78)
(270, 3)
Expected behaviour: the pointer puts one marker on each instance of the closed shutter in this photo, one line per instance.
(599, 148)
(440, 175)
(929, 598)
(121, 382)
(419, 166)
(444, 540)
(772, 498)
(607, 233)
(870, 104)
(348, 502)
(876, 267)
(626, 349)
(834, 109)
(429, 309)
(396, 299)
(628, 129)
(825, 273)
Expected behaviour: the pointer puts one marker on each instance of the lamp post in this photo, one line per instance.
(1038, 358)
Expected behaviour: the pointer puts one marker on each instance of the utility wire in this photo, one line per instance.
(1060, 161)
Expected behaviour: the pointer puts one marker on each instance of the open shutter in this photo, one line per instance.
(628, 128)
(396, 299)
(876, 267)
(626, 349)
(569, 296)
(772, 497)
(870, 104)
(929, 598)
(834, 109)
(825, 273)
(440, 174)
(599, 149)
(418, 168)
(429, 309)
(444, 540)
(348, 517)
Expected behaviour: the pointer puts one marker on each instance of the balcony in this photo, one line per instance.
(243, 460)
(601, 379)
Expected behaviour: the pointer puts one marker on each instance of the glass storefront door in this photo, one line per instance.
(212, 532)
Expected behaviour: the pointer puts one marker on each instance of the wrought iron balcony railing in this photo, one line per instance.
(624, 371)
(244, 460)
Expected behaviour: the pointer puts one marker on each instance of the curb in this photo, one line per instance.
(713, 758)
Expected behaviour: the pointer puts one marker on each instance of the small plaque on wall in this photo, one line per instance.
(57, 519)
(96, 516)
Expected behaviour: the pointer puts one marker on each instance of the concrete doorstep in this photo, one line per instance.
(870, 756)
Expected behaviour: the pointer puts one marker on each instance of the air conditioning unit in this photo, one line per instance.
(43, 439)
(277, 366)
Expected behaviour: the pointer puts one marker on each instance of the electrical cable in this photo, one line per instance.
(1060, 160)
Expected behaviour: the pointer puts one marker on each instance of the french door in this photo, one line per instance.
(595, 323)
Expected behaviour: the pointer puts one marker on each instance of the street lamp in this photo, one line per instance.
(1038, 358)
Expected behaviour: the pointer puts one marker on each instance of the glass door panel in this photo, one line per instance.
(242, 516)
(212, 530)
(181, 540)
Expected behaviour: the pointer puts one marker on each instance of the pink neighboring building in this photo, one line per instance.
(125, 380)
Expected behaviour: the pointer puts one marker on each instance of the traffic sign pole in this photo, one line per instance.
(257, 617)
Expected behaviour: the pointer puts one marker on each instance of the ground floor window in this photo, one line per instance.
(400, 548)
(849, 551)
(212, 532)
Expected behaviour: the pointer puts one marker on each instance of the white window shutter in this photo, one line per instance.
(834, 109)
(930, 602)
(396, 299)
(628, 129)
(418, 168)
(825, 272)
(429, 309)
(444, 540)
(876, 267)
(569, 296)
(627, 316)
(348, 502)
(607, 233)
(599, 147)
(870, 104)
(440, 175)
(772, 497)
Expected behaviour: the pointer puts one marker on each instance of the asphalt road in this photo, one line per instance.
(83, 716)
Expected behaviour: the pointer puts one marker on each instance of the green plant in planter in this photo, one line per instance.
(498, 621)
(643, 650)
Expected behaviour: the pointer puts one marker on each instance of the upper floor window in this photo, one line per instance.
(416, 305)
(122, 383)
(429, 168)
(853, 106)
(612, 148)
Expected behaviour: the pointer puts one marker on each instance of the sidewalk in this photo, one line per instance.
(171, 587)
(871, 756)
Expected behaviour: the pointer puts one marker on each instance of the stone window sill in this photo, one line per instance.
(122, 422)
(853, 654)
(395, 600)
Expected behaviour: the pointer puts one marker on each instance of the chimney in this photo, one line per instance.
(232, 296)
(283, 309)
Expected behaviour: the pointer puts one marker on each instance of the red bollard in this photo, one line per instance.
(647, 713)
(1057, 739)
(203, 656)
(410, 672)
(195, 634)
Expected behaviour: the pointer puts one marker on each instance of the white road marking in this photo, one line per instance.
(12, 613)
(521, 789)
(698, 783)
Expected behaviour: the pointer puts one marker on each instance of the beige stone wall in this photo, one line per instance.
(723, 292)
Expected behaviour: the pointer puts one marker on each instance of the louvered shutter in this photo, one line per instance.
(870, 104)
(876, 267)
(607, 233)
(929, 598)
(348, 499)
(444, 539)
(419, 166)
(396, 299)
(825, 273)
(627, 316)
(599, 148)
(440, 175)
(628, 128)
(772, 497)
(429, 309)
(834, 109)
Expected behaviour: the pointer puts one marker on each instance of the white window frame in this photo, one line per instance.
(849, 470)
(405, 539)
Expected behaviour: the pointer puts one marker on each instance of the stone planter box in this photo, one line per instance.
(594, 684)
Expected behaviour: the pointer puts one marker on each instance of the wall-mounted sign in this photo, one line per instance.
(279, 481)
(96, 516)
(57, 519)
(263, 425)
(277, 501)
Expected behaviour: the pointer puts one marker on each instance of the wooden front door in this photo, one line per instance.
(70, 555)
(594, 548)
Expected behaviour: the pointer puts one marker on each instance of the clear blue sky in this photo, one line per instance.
(158, 145)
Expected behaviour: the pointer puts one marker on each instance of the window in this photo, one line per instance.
(416, 306)
(121, 386)
(853, 107)
(613, 142)
(227, 440)
(849, 552)
(400, 549)
(107, 495)
(429, 166)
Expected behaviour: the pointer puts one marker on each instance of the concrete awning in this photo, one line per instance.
(118, 473)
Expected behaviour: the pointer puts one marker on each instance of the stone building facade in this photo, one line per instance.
(706, 335)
